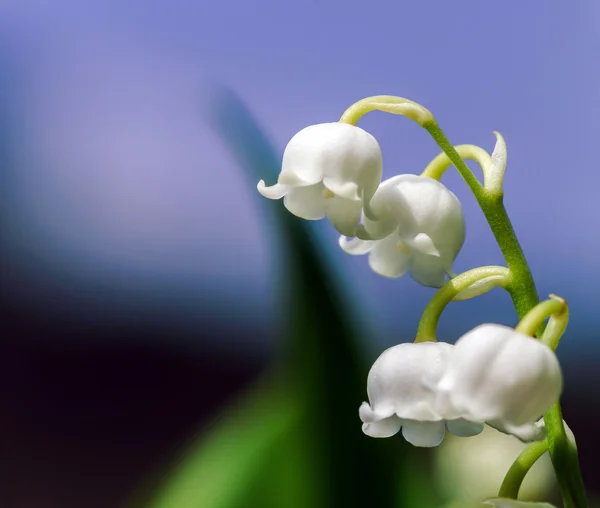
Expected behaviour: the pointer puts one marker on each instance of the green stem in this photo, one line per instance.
(431, 315)
(522, 289)
(565, 460)
(519, 469)
(524, 296)
(440, 138)
(438, 166)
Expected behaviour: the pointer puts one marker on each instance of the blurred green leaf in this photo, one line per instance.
(322, 354)
(307, 447)
(222, 467)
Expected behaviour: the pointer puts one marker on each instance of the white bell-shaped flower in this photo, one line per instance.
(329, 169)
(501, 377)
(420, 228)
(400, 395)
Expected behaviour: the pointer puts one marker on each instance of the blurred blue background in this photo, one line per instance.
(137, 264)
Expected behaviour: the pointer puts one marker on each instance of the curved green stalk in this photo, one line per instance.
(557, 309)
(447, 293)
(522, 289)
(554, 330)
(493, 166)
(519, 469)
(438, 166)
(388, 104)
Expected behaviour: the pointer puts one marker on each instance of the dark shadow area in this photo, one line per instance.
(86, 422)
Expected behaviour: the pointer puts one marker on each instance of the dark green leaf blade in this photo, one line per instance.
(322, 352)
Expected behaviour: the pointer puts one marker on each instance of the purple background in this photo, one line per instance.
(133, 249)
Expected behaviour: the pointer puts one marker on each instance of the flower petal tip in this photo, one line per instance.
(276, 191)
(354, 246)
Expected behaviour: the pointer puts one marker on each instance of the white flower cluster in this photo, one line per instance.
(409, 223)
(413, 224)
(492, 375)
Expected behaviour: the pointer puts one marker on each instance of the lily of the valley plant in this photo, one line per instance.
(507, 378)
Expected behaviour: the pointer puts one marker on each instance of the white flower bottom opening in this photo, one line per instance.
(401, 397)
(416, 432)
(494, 375)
